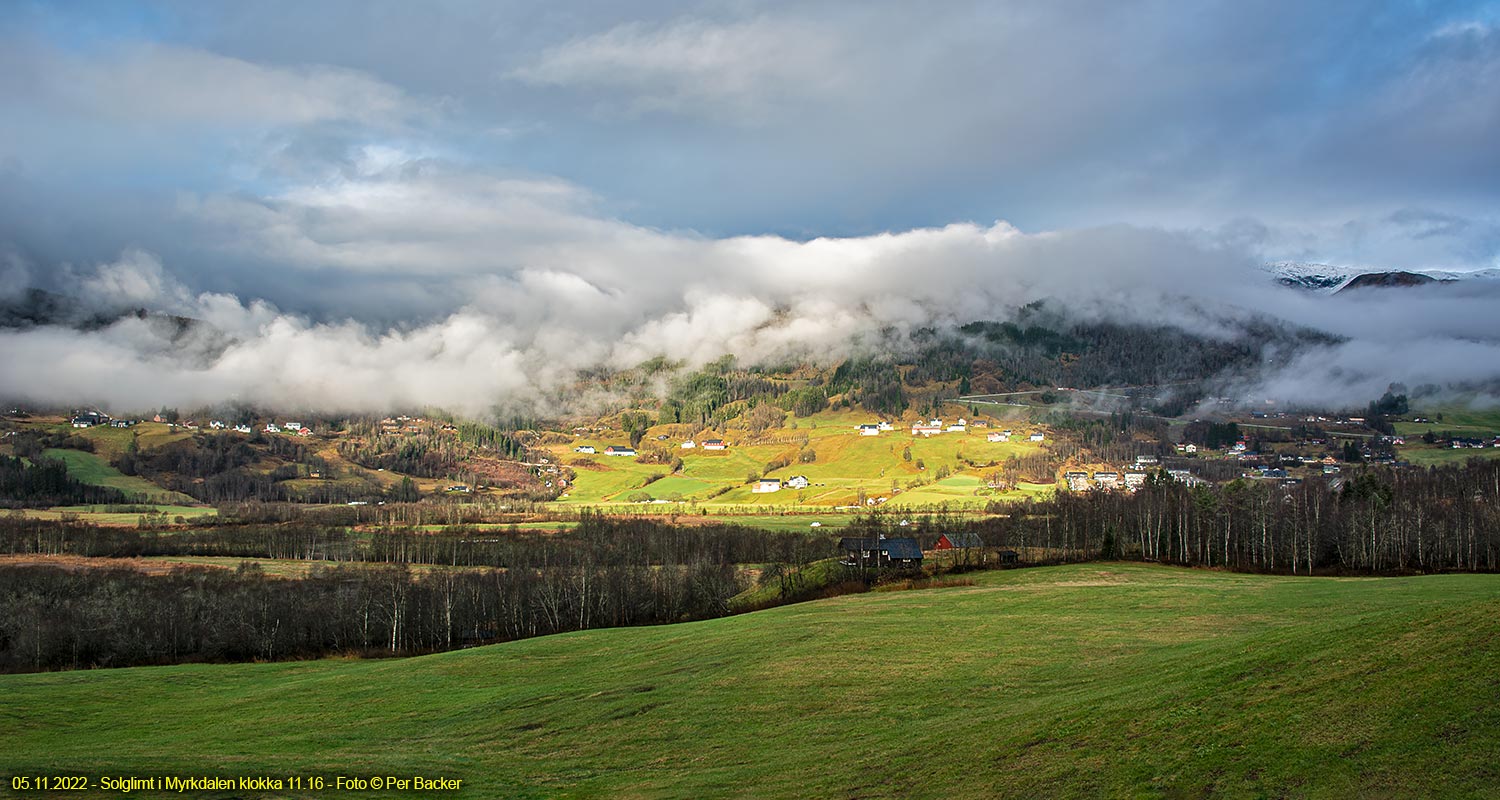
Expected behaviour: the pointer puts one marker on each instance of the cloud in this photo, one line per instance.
(740, 70)
(541, 287)
(323, 184)
(166, 85)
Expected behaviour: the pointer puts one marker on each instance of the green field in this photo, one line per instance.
(1428, 456)
(111, 442)
(101, 515)
(1100, 680)
(846, 464)
(92, 469)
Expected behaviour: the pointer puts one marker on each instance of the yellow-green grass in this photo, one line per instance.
(101, 515)
(92, 469)
(111, 442)
(503, 526)
(282, 567)
(847, 464)
(1458, 419)
(784, 522)
(1101, 680)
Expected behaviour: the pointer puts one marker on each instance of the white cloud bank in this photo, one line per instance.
(540, 285)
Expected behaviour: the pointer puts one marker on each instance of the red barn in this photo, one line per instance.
(953, 541)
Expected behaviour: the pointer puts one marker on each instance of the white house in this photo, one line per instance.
(1107, 480)
(920, 429)
(714, 444)
(615, 450)
(767, 485)
(1191, 448)
(586, 448)
(1077, 481)
(885, 426)
(216, 425)
(998, 437)
(1037, 437)
(797, 482)
(271, 428)
(1135, 480)
(291, 426)
(689, 444)
(958, 427)
(242, 429)
(869, 430)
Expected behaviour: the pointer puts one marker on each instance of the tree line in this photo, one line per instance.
(56, 618)
(491, 586)
(1373, 521)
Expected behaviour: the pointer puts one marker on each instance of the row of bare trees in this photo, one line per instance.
(55, 618)
(1377, 521)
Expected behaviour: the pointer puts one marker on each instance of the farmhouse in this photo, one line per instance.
(689, 444)
(869, 430)
(272, 428)
(998, 437)
(88, 419)
(952, 541)
(585, 448)
(1037, 437)
(797, 482)
(900, 551)
(767, 485)
(922, 429)
(714, 444)
(242, 429)
(1077, 481)
(616, 450)
(885, 426)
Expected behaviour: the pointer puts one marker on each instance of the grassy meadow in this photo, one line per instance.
(1457, 420)
(846, 465)
(1098, 680)
(93, 469)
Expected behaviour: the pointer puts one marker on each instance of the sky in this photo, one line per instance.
(595, 182)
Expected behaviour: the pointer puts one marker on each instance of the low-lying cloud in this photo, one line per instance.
(518, 283)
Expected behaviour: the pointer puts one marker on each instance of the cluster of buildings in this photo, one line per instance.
(1478, 443)
(1129, 478)
(289, 428)
(90, 419)
(934, 427)
(622, 450)
(768, 485)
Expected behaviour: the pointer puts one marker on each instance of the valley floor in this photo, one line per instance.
(1079, 681)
